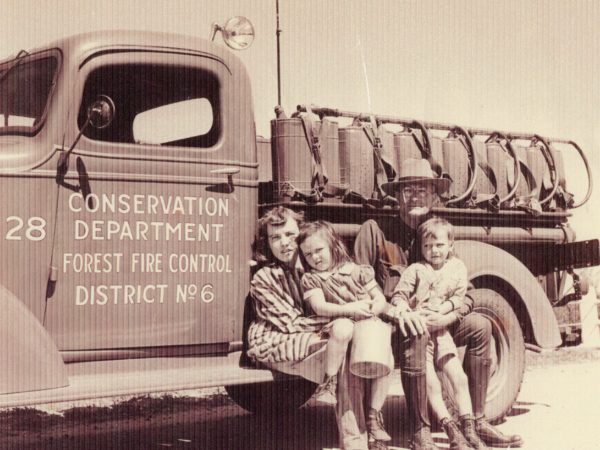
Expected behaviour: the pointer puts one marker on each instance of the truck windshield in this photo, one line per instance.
(24, 93)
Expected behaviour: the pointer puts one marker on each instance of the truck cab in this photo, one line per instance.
(140, 246)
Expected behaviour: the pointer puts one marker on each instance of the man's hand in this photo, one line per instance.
(436, 321)
(411, 321)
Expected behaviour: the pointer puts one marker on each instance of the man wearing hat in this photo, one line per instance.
(417, 190)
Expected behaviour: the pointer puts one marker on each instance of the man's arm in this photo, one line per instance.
(409, 322)
(405, 288)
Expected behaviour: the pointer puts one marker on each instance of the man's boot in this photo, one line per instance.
(467, 426)
(456, 438)
(478, 374)
(415, 392)
(493, 437)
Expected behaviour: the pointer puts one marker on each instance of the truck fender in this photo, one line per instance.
(31, 359)
(484, 259)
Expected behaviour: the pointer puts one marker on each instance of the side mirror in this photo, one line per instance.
(100, 114)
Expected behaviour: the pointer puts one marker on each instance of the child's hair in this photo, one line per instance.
(339, 253)
(275, 217)
(431, 228)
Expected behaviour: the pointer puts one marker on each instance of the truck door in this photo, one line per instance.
(29, 107)
(157, 253)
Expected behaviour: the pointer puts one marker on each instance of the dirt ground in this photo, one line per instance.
(556, 410)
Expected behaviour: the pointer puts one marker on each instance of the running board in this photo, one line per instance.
(142, 376)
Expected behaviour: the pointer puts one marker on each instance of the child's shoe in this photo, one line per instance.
(456, 438)
(422, 440)
(375, 426)
(374, 444)
(467, 426)
(325, 393)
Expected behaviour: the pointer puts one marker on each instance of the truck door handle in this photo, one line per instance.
(229, 172)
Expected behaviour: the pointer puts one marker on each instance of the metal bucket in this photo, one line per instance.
(437, 151)
(291, 155)
(263, 155)
(528, 182)
(371, 353)
(388, 154)
(485, 183)
(560, 166)
(538, 166)
(405, 147)
(500, 162)
(356, 160)
(457, 164)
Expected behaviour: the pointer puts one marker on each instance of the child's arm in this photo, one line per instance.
(410, 323)
(446, 307)
(457, 296)
(365, 276)
(356, 310)
(379, 302)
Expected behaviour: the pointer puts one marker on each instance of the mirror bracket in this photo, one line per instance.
(100, 114)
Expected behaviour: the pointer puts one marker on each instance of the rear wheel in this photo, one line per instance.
(283, 394)
(507, 354)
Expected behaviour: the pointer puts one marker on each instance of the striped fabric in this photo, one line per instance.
(281, 331)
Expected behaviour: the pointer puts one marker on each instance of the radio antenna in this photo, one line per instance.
(277, 33)
(364, 67)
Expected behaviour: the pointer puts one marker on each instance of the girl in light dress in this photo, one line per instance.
(336, 287)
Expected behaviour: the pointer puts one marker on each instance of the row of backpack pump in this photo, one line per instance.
(314, 159)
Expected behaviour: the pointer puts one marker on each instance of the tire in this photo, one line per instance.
(286, 394)
(507, 353)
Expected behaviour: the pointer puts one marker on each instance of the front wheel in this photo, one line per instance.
(286, 394)
(507, 353)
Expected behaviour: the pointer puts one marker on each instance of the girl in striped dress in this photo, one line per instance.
(282, 332)
(284, 336)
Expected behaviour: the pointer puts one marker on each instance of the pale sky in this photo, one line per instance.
(512, 65)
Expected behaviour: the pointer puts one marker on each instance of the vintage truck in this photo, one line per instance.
(132, 179)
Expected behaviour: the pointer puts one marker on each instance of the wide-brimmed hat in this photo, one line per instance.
(413, 170)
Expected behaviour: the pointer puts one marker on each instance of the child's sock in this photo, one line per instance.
(326, 392)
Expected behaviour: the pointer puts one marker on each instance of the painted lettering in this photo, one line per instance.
(110, 230)
(146, 262)
(141, 204)
(127, 294)
(92, 262)
(199, 263)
